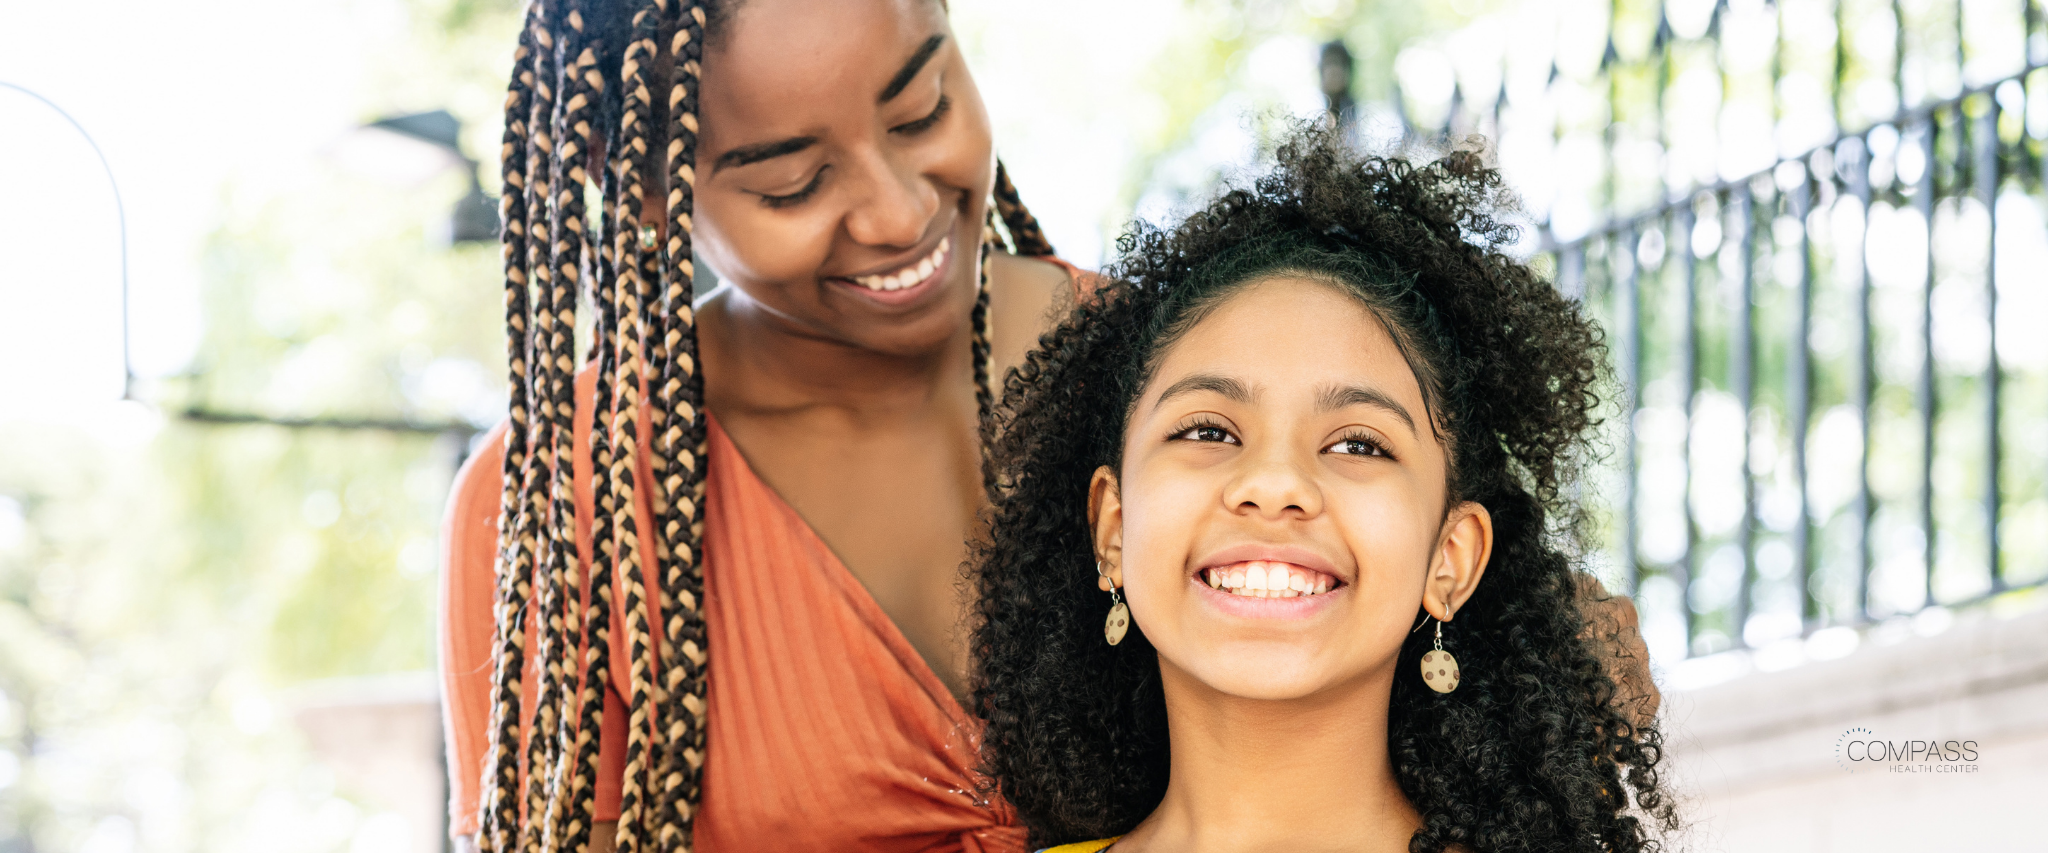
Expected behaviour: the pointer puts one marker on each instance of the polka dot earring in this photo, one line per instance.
(1119, 622)
(1439, 669)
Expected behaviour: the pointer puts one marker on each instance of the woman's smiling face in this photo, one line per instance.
(843, 168)
(1280, 511)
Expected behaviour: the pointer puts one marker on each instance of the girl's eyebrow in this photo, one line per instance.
(1230, 388)
(1334, 397)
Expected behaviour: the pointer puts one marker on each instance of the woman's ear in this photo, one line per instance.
(1106, 519)
(1462, 549)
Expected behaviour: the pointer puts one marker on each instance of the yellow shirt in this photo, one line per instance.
(1095, 846)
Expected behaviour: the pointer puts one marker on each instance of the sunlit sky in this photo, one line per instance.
(182, 98)
(196, 105)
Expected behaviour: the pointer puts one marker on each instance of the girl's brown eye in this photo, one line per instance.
(1356, 447)
(1206, 433)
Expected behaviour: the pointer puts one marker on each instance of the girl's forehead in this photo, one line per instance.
(1290, 332)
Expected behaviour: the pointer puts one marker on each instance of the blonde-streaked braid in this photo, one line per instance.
(572, 794)
(498, 815)
(558, 108)
(1024, 231)
(637, 277)
(1025, 239)
(682, 449)
(558, 270)
(535, 529)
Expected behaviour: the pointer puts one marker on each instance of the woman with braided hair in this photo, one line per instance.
(702, 592)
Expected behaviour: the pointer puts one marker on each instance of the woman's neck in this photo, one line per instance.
(1299, 775)
(760, 363)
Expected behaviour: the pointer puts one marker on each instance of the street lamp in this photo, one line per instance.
(409, 150)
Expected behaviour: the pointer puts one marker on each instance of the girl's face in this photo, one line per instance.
(843, 169)
(1280, 510)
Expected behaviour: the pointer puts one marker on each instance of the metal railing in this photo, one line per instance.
(1833, 413)
(1744, 267)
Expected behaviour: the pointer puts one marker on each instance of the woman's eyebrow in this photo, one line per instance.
(749, 154)
(1230, 388)
(1335, 397)
(909, 71)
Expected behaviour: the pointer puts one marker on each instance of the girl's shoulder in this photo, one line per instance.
(1095, 846)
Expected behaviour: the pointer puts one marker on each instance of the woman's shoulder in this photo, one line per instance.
(1049, 277)
(1081, 846)
(1027, 297)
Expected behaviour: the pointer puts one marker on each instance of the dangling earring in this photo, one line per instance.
(1439, 669)
(1119, 621)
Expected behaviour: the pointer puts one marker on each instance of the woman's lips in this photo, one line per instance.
(908, 275)
(905, 284)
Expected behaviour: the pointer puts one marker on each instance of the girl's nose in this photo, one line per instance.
(1274, 489)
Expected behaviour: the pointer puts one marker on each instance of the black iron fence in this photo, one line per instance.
(1823, 426)
(1833, 368)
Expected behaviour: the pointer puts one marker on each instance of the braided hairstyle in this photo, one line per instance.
(1532, 752)
(622, 77)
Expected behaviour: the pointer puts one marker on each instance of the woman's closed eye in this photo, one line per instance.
(913, 128)
(798, 197)
(1207, 432)
(1359, 444)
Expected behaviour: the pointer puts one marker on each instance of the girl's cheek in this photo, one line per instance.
(1162, 524)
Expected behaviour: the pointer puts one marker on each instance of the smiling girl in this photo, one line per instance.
(1306, 456)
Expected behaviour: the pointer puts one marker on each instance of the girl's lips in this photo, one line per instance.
(1268, 579)
(1290, 554)
(1247, 607)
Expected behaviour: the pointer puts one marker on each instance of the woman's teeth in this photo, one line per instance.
(1264, 579)
(911, 275)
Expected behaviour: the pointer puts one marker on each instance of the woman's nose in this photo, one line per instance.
(892, 205)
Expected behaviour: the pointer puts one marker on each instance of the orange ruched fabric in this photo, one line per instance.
(827, 730)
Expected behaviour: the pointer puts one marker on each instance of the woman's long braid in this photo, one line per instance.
(559, 271)
(683, 448)
(633, 253)
(1029, 241)
(581, 727)
(1024, 232)
(498, 813)
(984, 394)
(533, 523)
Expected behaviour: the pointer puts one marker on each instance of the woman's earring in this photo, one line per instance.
(1119, 622)
(1439, 669)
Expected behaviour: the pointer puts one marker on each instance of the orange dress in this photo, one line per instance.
(827, 730)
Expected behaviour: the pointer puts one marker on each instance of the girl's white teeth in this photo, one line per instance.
(910, 275)
(1266, 579)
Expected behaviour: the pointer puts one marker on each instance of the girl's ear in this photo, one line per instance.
(1106, 519)
(1462, 549)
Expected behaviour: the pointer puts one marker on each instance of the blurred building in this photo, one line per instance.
(1814, 231)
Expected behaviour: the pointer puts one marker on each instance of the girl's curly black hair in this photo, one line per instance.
(1531, 752)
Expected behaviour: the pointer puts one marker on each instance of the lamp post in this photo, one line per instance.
(429, 144)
